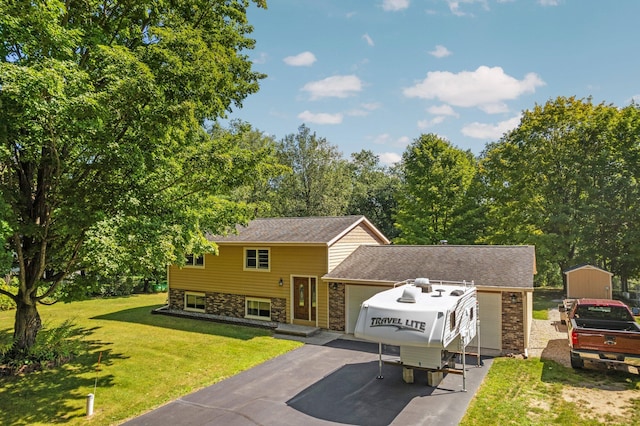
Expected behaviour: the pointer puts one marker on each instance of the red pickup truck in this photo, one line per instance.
(602, 330)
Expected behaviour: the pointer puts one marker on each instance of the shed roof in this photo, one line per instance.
(296, 230)
(584, 266)
(492, 266)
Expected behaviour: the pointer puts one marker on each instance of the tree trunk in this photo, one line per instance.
(26, 329)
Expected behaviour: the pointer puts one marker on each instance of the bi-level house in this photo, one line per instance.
(317, 271)
(272, 269)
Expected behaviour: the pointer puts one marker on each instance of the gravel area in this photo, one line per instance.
(549, 339)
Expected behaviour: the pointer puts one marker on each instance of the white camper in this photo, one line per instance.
(430, 321)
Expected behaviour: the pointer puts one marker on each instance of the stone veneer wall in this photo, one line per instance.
(337, 307)
(229, 305)
(512, 323)
(279, 310)
(176, 299)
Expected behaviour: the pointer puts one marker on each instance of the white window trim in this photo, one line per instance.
(189, 265)
(256, 299)
(256, 269)
(193, 293)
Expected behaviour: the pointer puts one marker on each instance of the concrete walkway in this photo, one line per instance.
(330, 380)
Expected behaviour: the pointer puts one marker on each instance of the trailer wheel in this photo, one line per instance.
(577, 362)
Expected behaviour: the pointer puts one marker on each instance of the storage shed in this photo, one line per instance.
(588, 281)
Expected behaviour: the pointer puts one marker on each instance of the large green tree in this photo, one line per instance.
(374, 188)
(102, 107)
(436, 177)
(566, 180)
(318, 183)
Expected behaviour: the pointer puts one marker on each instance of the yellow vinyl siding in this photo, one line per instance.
(322, 312)
(225, 274)
(342, 248)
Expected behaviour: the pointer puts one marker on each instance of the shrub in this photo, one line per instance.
(53, 347)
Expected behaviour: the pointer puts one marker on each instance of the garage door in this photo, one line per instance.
(490, 314)
(355, 295)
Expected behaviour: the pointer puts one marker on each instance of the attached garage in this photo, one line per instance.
(354, 296)
(503, 276)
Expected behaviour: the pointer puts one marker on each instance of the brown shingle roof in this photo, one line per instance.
(309, 230)
(494, 266)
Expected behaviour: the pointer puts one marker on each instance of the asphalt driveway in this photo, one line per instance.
(333, 383)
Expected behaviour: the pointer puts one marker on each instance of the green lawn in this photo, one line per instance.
(545, 299)
(146, 361)
(533, 392)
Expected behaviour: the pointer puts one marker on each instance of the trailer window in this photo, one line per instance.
(452, 320)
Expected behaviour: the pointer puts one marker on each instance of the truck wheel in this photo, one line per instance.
(577, 362)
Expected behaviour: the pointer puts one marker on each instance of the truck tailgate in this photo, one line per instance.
(621, 342)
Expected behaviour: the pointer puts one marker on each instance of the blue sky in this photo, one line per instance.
(376, 74)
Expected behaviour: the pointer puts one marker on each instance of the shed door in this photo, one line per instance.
(355, 295)
(490, 316)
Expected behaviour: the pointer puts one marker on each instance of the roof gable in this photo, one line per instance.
(495, 266)
(297, 230)
(584, 266)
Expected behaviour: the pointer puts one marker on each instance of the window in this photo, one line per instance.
(193, 260)
(194, 302)
(258, 309)
(452, 320)
(257, 259)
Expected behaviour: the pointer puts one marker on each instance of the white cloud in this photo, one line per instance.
(549, 2)
(454, 5)
(440, 52)
(261, 59)
(368, 39)
(386, 139)
(304, 59)
(389, 158)
(372, 106)
(485, 88)
(394, 5)
(442, 110)
(634, 98)
(364, 109)
(490, 131)
(339, 86)
(320, 117)
(425, 124)
(382, 138)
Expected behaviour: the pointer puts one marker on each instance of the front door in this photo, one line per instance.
(304, 298)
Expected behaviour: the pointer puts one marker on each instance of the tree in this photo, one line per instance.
(612, 209)
(318, 184)
(259, 190)
(565, 180)
(374, 189)
(101, 112)
(435, 177)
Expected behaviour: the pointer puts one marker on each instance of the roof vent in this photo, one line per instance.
(456, 293)
(409, 295)
(423, 284)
